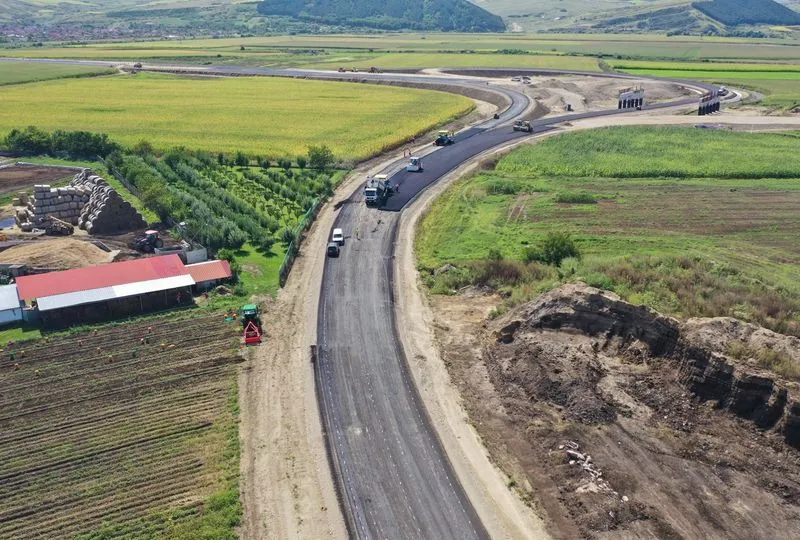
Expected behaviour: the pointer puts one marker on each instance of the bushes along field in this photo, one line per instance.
(691, 222)
(258, 116)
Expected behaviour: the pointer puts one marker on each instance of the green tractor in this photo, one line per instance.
(251, 321)
(250, 312)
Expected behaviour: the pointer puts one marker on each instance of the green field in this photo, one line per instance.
(633, 46)
(260, 116)
(20, 72)
(677, 218)
(454, 60)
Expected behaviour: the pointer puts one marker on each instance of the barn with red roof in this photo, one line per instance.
(106, 291)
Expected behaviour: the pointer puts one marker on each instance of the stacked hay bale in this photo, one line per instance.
(106, 212)
(65, 203)
(88, 202)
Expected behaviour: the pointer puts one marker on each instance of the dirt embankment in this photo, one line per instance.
(618, 421)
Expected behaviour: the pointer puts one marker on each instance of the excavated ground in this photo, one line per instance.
(614, 421)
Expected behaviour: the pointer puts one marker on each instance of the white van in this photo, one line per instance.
(338, 236)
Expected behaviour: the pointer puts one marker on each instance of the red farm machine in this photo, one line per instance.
(251, 322)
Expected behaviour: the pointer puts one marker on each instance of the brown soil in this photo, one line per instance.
(21, 177)
(58, 253)
(120, 429)
(616, 421)
(589, 93)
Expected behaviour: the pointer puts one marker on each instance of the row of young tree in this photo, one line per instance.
(223, 207)
(214, 200)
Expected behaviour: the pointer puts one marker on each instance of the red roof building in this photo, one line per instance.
(209, 271)
(100, 276)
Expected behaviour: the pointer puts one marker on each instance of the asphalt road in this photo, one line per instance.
(391, 471)
(393, 476)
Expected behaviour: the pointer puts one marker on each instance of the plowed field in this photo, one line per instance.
(101, 434)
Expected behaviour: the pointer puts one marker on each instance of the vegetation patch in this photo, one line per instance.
(22, 72)
(258, 116)
(688, 223)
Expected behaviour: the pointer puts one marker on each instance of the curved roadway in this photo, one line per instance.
(393, 476)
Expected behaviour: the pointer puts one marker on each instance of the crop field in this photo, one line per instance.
(21, 72)
(260, 116)
(453, 60)
(680, 219)
(107, 437)
(638, 46)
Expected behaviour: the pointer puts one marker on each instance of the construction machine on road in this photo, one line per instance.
(414, 164)
(523, 125)
(444, 138)
(377, 190)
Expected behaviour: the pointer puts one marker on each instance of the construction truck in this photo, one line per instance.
(444, 138)
(148, 242)
(523, 125)
(377, 190)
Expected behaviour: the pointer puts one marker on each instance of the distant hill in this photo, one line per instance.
(446, 15)
(736, 12)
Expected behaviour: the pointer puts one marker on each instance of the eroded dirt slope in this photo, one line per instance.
(618, 422)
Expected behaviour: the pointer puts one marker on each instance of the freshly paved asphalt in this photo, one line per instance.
(392, 473)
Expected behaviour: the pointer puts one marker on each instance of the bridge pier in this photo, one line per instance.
(631, 98)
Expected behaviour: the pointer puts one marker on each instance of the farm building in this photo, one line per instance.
(10, 308)
(107, 291)
(210, 273)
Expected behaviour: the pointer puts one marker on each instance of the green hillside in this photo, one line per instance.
(447, 15)
(736, 12)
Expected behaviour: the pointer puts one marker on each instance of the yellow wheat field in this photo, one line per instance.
(268, 117)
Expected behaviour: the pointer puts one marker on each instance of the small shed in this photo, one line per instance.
(210, 273)
(10, 306)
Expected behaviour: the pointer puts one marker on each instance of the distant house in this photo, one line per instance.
(210, 273)
(10, 305)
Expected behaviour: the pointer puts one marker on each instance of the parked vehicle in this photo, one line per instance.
(338, 236)
(333, 249)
